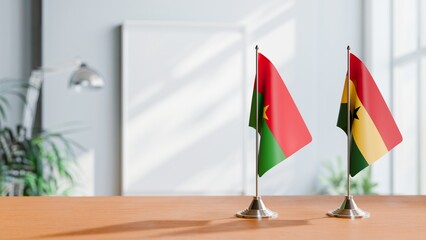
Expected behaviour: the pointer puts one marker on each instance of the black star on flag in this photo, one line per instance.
(355, 115)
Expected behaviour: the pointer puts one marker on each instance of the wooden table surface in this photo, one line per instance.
(300, 217)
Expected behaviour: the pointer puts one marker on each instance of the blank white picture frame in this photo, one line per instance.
(183, 110)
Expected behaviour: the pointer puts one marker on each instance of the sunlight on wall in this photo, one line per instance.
(266, 13)
(204, 52)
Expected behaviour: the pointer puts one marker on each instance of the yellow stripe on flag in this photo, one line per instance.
(364, 131)
(345, 91)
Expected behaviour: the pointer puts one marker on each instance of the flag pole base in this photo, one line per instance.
(257, 209)
(348, 209)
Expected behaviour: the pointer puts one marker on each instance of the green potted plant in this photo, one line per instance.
(333, 181)
(40, 164)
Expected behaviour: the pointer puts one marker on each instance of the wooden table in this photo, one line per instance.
(392, 217)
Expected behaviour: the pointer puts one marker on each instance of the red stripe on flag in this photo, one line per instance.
(372, 99)
(285, 121)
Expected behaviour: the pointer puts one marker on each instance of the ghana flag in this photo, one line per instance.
(374, 131)
(281, 127)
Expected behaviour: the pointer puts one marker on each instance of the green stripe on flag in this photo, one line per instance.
(252, 120)
(358, 162)
(270, 153)
(342, 120)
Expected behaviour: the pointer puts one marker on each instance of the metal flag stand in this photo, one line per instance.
(348, 209)
(257, 208)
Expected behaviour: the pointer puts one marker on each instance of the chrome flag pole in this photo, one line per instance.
(257, 208)
(348, 209)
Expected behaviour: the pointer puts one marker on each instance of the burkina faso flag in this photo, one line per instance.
(281, 127)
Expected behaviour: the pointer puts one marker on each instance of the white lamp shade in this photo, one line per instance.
(86, 77)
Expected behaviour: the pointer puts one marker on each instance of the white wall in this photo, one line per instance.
(306, 40)
(15, 47)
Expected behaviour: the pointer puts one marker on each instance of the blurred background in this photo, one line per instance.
(172, 115)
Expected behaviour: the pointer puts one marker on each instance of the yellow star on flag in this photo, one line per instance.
(264, 112)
